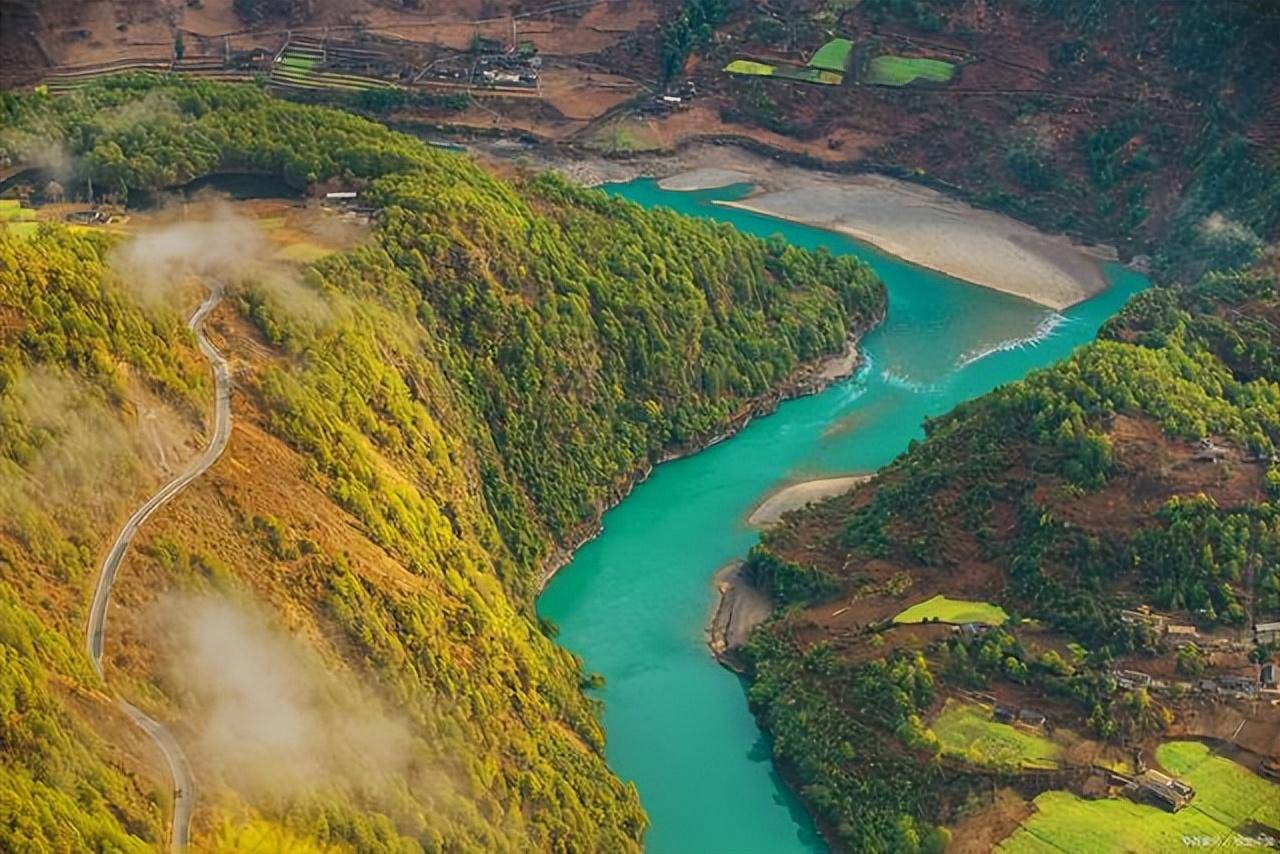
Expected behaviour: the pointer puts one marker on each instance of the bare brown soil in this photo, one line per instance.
(983, 830)
(1157, 468)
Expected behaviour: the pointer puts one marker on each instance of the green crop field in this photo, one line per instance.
(302, 63)
(967, 731)
(785, 72)
(833, 55)
(1225, 790)
(1228, 797)
(944, 610)
(899, 71)
(808, 75)
(746, 66)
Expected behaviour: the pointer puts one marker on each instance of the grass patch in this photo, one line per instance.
(833, 56)
(967, 731)
(747, 66)
(11, 210)
(302, 253)
(900, 71)
(1228, 796)
(626, 136)
(943, 610)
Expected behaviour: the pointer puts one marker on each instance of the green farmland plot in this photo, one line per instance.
(943, 610)
(747, 66)
(900, 71)
(1225, 791)
(1229, 799)
(786, 72)
(832, 56)
(967, 731)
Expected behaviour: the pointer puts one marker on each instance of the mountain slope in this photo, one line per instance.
(337, 620)
(1066, 498)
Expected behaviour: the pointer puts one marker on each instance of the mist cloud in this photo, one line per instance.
(222, 249)
(267, 714)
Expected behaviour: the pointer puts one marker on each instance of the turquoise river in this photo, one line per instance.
(634, 602)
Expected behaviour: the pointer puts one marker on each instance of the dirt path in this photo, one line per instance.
(184, 791)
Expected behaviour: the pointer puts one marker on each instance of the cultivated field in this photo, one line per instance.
(967, 731)
(943, 610)
(900, 71)
(1229, 799)
(833, 56)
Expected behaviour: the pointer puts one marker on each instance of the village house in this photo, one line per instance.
(1130, 679)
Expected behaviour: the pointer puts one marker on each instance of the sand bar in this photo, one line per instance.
(705, 178)
(770, 511)
(932, 230)
(740, 607)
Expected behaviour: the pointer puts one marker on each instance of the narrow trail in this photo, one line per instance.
(184, 791)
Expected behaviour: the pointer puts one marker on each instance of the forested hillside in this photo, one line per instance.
(462, 394)
(1065, 497)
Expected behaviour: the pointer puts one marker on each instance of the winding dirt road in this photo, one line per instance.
(184, 791)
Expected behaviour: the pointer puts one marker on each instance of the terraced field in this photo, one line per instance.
(297, 69)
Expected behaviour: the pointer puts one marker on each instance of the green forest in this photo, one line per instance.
(497, 363)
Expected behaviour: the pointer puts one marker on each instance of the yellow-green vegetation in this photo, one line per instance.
(940, 609)
(1225, 790)
(785, 72)
(832, 56)
(968, 731)
(900, 71)
(748, 66)
(1228, 798)
(483, 374)
(11, 210)
(626, 135)
(302, 252)
(17, 220)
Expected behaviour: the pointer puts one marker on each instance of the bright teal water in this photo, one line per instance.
(635, 601)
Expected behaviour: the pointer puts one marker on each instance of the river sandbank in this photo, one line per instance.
(932, 230)
(740, 607)
(797, 495)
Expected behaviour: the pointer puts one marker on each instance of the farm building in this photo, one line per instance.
(1168, 790)
(1267, 676)
(1178, 632)
(1266, 632)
